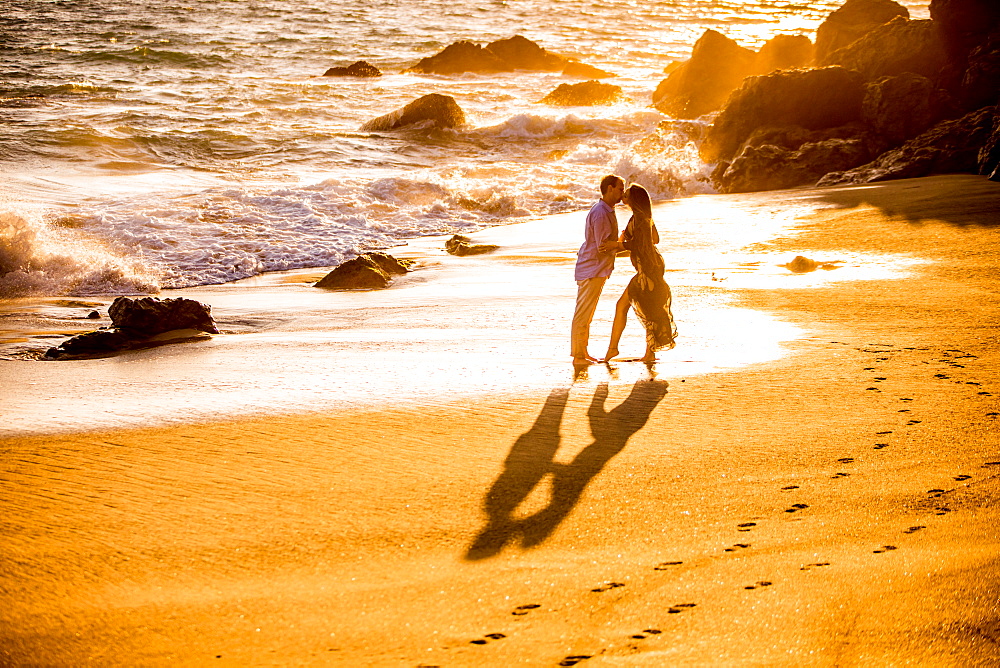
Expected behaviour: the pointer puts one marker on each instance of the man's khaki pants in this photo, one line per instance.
(588, 292)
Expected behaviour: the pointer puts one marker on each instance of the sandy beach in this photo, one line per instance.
(417, 477)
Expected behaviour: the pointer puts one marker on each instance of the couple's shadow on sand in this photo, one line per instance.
(532, 457)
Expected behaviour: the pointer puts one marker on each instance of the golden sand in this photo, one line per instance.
(837, 506)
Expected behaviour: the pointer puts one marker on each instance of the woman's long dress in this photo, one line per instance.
(648, 291)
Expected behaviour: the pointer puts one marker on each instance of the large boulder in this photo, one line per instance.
(852, 21)
(812, 99)
(901, 107)
(520, 53)
(989, 153)
(388, 263)
(964, 24)
(585, 94)
(981, 78)
(360, 273)
(505, 55)
(461, 246)
(784, 52)
(700, 85)
(433, 109)
(135, 323)
(148, 316)
(358, 69)
(770, 167)
(948, 147)
(898, 46)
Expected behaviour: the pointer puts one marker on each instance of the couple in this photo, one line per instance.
(647, 292)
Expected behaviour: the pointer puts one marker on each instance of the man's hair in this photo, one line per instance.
(610, 180)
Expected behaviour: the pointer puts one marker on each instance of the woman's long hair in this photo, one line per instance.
(643, 249)
(638, 200)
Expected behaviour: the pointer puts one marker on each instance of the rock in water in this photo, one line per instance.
(827, 97)
(439, 110)
(520, 53)
(388, 263)
(852, 21)
(459, 245)
(360, 273)
(358, 69)
(504, 55)
(717, 66)
(148, 316)
(586, 94)
(580, 70)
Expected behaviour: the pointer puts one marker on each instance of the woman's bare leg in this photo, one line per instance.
(618, 326)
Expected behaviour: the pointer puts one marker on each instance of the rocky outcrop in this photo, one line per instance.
(459, 245)
(901, 107)
(770, 167)
(585, 94)
(718, 66)
(949, 146)
(358, 69)
(811, 99)
(989, 153)
(964, 24)
(438, 110)
(981, 78)
(505, 55)
(370, 271)
(898, 46)
(852, 21)
(784, 52)
(575, 68)
(135, 321)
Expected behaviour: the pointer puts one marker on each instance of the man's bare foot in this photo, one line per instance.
(612, 352)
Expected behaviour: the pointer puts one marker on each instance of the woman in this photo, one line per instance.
(647, 291)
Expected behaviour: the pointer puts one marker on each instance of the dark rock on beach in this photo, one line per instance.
(989, 154)
(585, 94)
(505, 55)
(948, 147)
(148, 316)
(358, 69)
(134, 322)
(812, 99)
(851, 21)
(459, 245)
(388, 263)
(438, 110)
(769, 167)
(901, 107)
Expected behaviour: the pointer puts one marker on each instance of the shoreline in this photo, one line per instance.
(835, 505)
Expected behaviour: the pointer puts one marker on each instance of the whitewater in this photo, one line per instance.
(150, 146)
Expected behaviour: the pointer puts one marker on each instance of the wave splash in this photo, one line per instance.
(37, 258)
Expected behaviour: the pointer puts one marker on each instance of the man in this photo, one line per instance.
(594, 263)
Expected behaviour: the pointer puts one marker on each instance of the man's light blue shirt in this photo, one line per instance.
(602, 225)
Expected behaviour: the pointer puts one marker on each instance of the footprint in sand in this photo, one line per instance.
(882, 433)
(905, 399)
(485, 639)
(942, 510)
(523, 609)
(962, 477)
(785, 489)
(737, 546)
(940, 375)
(985, 394)
(608, 586)
(992, 414)
(991, 464)
(574, 659)
(935, 491)
(879, 446)
(746, 526)
(869, 368)
(904, 410)
(665, 565)
(818, 564)
(759, 583)
(913, 422)
(846, 460)
(839, 474)
(796, 507)
(915, 529)
(885, 548)
(680, 607)
(873, 388)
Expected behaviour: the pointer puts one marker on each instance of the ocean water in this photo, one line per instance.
(146, 146)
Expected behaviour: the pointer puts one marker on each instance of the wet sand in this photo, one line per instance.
(834, 505)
